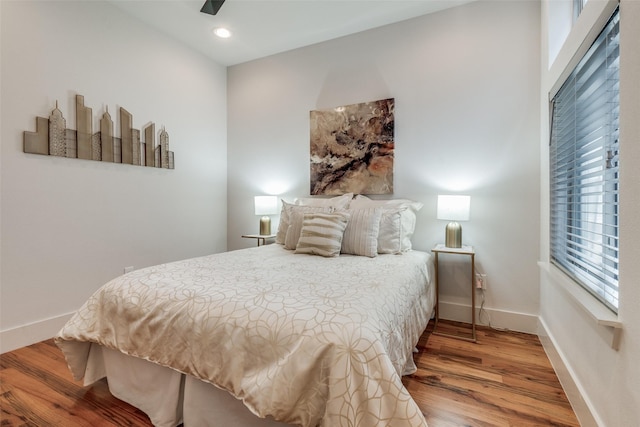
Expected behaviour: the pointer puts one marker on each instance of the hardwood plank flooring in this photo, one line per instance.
(503, 380)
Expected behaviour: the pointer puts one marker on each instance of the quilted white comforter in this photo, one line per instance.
(306, 339)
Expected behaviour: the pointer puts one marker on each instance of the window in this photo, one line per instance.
(584, 169)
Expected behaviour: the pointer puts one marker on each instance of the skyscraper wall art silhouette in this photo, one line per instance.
(52, 138)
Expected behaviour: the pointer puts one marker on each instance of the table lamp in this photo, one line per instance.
(453, 209)
(265, 206)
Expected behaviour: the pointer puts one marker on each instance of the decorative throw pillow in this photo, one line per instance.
(397, 224)
(322, 233)
(296, 215)
(361, 235)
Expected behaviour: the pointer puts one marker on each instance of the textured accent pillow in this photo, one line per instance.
(397, 224)
(284, 222)
(322, 233)
(361, 235)
(339, 202)
(295, 216)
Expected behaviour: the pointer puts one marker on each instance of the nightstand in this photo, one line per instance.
(261, 238)
(465, 251)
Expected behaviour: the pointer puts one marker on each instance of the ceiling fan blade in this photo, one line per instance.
(211, 6)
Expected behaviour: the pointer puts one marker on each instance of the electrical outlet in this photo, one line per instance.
(128, 269)
(481, 281)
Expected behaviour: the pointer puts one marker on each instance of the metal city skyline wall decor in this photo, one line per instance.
(54, 139)
(352, 149)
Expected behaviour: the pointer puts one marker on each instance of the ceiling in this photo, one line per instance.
(264, 27)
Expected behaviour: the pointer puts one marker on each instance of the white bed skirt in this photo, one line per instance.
(168, 397)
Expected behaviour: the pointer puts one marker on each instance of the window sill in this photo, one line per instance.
(598, 312)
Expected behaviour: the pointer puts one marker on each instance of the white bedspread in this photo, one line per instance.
(306, 339)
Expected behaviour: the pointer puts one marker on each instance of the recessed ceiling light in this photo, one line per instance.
(222, 33)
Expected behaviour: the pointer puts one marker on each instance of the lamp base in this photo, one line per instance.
(265, 226)
(453, 235)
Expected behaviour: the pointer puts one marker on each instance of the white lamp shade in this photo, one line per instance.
(266, 205)
(454, 208)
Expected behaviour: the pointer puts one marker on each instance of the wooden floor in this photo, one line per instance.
(503, 380)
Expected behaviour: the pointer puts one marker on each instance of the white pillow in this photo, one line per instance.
(295, 217)
(361, 235)
(322, 233)
(396, 229)
(361, 201)
(397, 224)
(339, 202)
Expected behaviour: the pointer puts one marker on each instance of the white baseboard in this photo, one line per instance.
(513, 321)
(32, 333)
(572, 389)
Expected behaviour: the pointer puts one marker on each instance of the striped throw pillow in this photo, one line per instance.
(322, 233)
(361, 234)
(296, 216)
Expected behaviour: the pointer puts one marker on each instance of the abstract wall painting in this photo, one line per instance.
(54, 139)
(352, 149)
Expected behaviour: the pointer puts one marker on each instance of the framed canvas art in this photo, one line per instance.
(352, 149)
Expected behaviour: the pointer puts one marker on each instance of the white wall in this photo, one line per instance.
(602, 383)
(466, 85)
(70, 225)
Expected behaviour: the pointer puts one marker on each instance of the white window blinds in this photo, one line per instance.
(584, 169)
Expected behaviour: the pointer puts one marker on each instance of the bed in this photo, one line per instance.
(264, 336)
